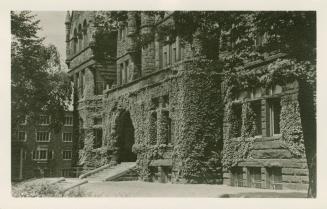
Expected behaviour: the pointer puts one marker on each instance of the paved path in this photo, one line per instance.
(145, 189)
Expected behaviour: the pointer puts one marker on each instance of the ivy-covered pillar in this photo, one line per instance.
(152, 127)
(162, 127)
(113, 140)
(199, 142)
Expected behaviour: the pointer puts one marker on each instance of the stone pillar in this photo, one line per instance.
(158, 52)
(89, 83)
(80, 85)
(148, 52)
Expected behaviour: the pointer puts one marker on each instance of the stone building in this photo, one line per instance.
(39, 151)
(155, 106)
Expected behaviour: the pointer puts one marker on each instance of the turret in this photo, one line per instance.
(67, 26)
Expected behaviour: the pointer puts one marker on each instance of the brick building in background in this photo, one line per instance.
(38, 151)
(150, 98)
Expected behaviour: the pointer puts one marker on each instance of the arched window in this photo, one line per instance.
(80, 37)
(75, 41)
(85, 33)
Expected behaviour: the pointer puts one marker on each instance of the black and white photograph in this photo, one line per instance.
(163, 103)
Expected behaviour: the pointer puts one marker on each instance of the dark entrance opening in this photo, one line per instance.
(125, 139)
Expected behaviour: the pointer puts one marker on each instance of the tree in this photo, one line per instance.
(38, 83)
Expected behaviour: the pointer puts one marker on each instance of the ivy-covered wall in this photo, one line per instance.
(195, 113)
(284, 150)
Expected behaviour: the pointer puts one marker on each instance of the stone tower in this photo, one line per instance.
(90, 76)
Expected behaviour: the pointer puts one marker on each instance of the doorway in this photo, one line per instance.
(125, 138)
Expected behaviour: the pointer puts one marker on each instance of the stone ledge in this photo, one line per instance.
(272, 154)
(161, 162)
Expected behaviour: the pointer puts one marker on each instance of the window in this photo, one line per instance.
(67, 154)
(67, 137)
(42, 154)
(237, 120)
(165, 59)
(75, 41)
(42, 136)
(121, 76)
(274, 178)
(273, 119)
(254, 177)
(153, 128)
(174, 55)
(85, 33)
(120, 33)
(44, 119)
(256, 107)
(97, 138)
(236, 177)
(82, 80)
(66, 172)
(68, 121)
(168, 127)
(126, 71)
(170, 133)
(21, 136)
(99, 87)
(275, 90)
(25, 155)
(23, 120)
(97, 121)
(165, 101)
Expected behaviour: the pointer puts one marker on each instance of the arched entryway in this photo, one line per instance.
(125, 141)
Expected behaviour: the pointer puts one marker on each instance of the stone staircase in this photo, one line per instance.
(122, 172)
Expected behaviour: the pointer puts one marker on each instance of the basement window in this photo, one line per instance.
(237, 176)
(274, 178)
(254, 177)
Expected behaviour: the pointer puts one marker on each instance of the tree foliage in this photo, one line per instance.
(38, 82)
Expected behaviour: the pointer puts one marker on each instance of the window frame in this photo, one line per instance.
(68, 124)
(64, 156)
(271, 111)
(274, 181)
(63, 136)
(36, 154)
(49, 136)
(258, 121)
(25, 136)
(47, 122)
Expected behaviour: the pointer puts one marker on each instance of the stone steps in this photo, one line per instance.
(123, 171)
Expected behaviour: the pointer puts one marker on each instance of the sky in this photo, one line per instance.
(53, 29)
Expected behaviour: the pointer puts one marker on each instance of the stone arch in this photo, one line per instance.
(124, 137)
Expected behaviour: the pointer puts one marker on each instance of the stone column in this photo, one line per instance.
(89, 83)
